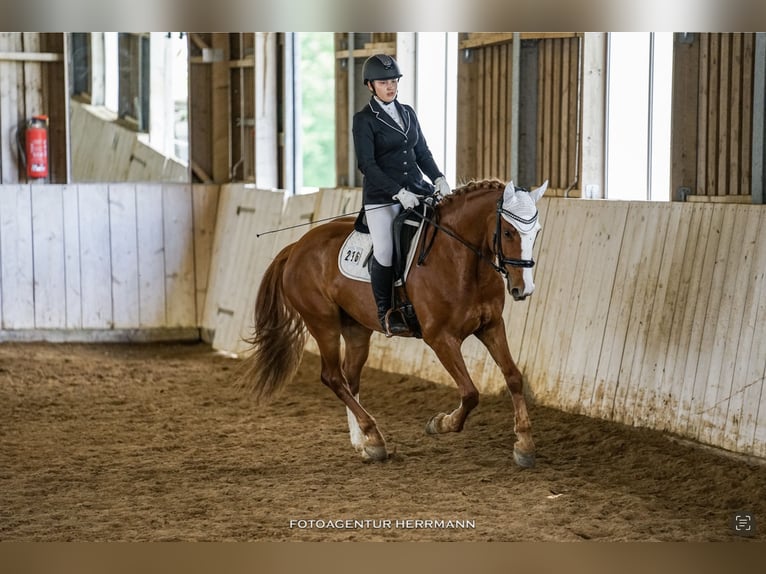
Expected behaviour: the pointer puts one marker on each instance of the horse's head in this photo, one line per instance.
(516, 230)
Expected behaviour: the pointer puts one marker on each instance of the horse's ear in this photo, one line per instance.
(538, 193)
(510, 191)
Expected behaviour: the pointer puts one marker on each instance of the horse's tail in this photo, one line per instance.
(278, 339)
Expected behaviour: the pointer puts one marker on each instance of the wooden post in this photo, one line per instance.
(593, 159)
(759, 120)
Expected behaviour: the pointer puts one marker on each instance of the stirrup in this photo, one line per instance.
(396, 327)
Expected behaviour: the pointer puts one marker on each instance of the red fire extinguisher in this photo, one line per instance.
(37, 147)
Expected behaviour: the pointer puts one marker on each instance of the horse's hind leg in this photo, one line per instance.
(357, 349)
(494, 338)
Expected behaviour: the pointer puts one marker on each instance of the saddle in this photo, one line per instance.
(355, 257)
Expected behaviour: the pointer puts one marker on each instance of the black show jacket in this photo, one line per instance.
(390, 157)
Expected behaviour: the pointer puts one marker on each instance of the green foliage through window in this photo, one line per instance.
(318, 108)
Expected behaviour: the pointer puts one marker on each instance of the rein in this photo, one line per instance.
(502, 260)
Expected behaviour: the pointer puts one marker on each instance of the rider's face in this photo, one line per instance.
(385, 89)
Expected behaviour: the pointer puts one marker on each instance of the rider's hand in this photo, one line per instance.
(442, 187)
(408, 199)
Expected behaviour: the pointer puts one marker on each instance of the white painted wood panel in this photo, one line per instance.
(124, 255)
(178, 228)
(73, 287)
(16, 269)
(150, 234)
(49, 261)
(95, 257)
(205, 206)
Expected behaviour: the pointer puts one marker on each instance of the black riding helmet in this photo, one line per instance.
(380, 67)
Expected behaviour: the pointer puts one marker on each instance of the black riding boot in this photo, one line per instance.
(382, 283)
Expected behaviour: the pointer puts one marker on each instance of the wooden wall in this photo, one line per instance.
(713, 116)
(32, 82)
(96, 258)
(548, 116)
(104, 150)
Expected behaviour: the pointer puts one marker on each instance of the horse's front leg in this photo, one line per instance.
(494, 338)
(447, 349)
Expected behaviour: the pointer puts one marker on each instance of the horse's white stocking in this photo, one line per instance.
(357, 436)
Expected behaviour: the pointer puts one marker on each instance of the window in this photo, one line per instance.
(639, 90)
(133, 90)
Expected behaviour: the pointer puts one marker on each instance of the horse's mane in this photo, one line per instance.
(472, 186)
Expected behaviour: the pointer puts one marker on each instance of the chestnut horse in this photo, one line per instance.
(486, 231)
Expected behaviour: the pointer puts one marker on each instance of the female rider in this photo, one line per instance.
(392, 155)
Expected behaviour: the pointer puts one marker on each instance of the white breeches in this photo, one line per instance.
(379, 220)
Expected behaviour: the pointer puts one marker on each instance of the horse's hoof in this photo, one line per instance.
(374, 453)
(432, 426)
(524, 459)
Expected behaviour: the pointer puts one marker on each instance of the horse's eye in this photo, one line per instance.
(508, 234)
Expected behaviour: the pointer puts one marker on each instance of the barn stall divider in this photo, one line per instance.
(649, 314)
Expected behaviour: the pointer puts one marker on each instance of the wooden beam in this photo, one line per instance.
(220, 116)
(31, 57)
(479, 39)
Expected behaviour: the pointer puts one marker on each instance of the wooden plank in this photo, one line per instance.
(719, 199)
(608, 384)
(150, 256)
(552, 221)
(562, 302)
(481, 39)
(95, 260)
(737, 339)
(220, 121)
(711, 164)
(660, 390)
(695, 362)
(606, 228)
(57, 103)
(702, 116)
(647, 237)
(205, 205)
(32, 72)
(734, 158)
(9, 109)
(16, 271)
(33, 56)
(49, 265)
(724, 105)
(73, 291)
(746, 137)
(123, 235)
(539, 358)
(564, 131)
(222, 255)
(684, 116)
(257, 209)
(178, 230)
(676, 389)
(715, 318)
(742, 422)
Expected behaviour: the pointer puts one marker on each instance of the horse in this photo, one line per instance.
(484, 238)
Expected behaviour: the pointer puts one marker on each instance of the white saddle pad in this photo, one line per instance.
(354, 255)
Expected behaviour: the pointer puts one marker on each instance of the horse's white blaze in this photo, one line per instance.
(527, 243)
(356, 434)
(523, 206)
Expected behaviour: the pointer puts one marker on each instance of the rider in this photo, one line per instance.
(391, 151)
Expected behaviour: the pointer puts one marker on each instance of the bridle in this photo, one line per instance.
(502, 260)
